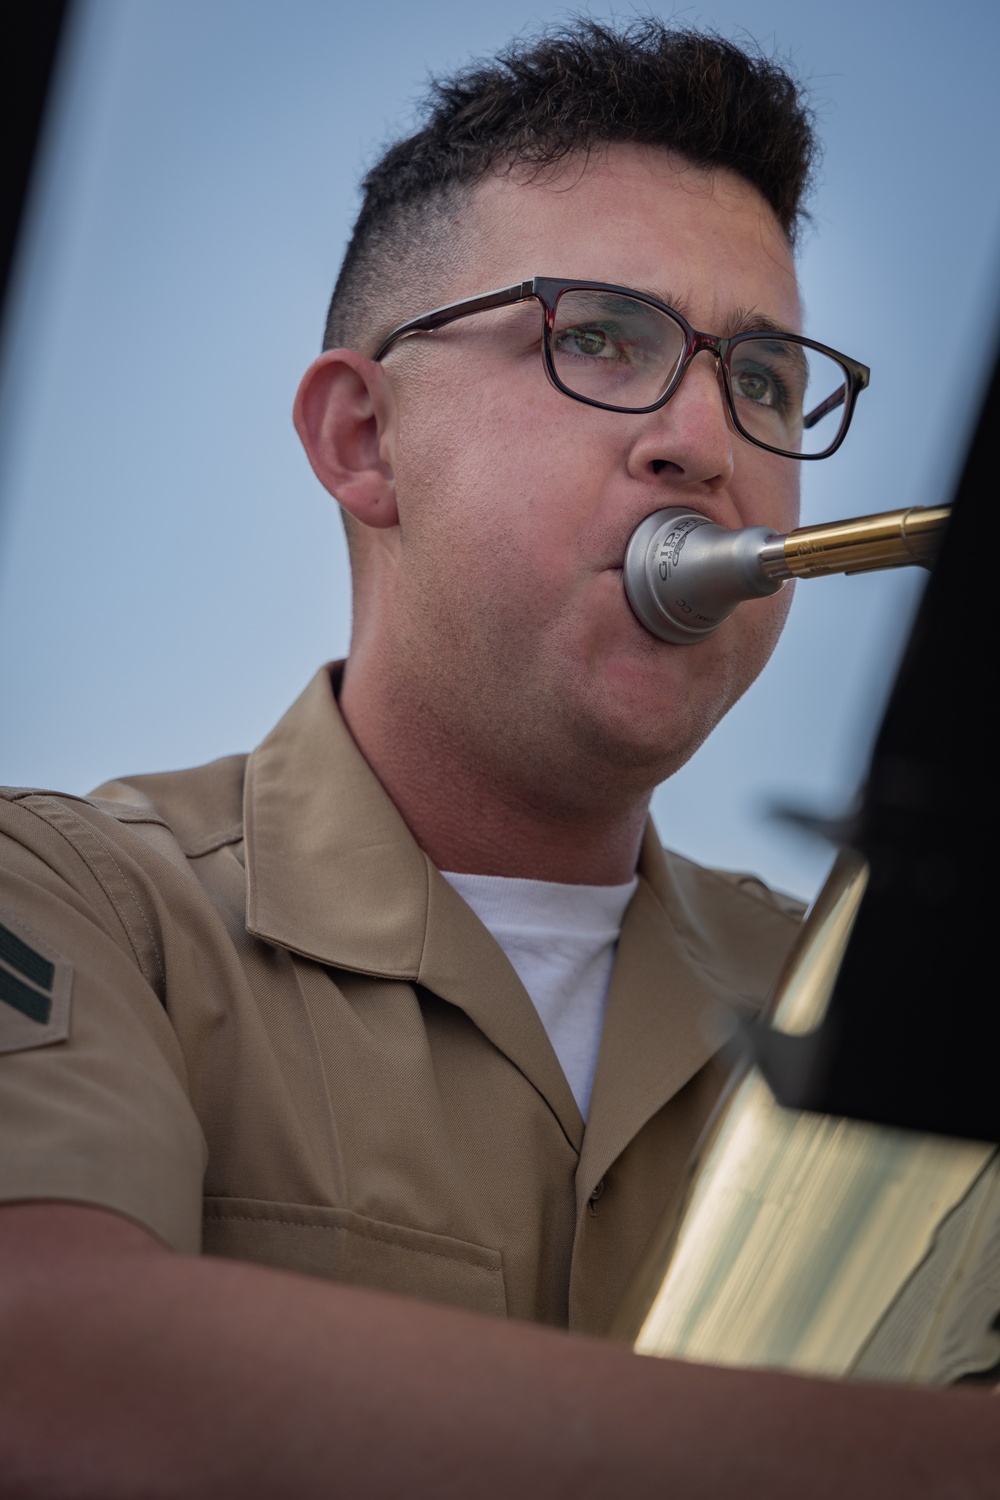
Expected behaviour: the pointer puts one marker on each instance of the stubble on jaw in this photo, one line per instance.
(533, 783)
(560, 748)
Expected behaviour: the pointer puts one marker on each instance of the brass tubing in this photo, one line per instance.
(896, 539)
(804, 1241)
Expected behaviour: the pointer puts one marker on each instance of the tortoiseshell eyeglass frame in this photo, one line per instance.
(548, 290)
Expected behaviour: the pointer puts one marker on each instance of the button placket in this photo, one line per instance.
(592, 1201)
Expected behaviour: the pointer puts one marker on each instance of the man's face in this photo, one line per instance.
(506, 622)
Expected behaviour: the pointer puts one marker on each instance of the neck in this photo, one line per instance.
(470, 817)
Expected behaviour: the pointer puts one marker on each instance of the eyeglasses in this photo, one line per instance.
(622, 350)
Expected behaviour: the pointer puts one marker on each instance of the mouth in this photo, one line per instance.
(637, 631)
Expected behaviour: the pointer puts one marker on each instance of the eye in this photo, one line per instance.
(761, 386)
(589, 342)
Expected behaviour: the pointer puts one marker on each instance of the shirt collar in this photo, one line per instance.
(334, 874)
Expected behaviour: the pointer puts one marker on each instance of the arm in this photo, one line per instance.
(127, 1370)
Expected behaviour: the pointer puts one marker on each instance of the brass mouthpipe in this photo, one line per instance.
(896, 539)
(684, 575)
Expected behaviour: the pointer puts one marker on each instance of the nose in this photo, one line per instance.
(689, 441)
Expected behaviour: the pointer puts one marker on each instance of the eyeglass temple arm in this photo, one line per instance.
(858, 377)
(824, 409)
(427, 322)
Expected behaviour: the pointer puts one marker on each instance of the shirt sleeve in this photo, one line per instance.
(94, 1104)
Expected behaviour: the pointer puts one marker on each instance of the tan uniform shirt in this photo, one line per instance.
(240, 1005)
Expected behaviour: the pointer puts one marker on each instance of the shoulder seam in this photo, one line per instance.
(732, 880)
(85, 829)
(774, 901)
(212, 841)
(22, 793)
(130, 815)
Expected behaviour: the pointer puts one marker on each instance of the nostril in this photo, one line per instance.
(659, 464)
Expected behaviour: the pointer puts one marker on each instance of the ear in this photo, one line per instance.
(345, 415)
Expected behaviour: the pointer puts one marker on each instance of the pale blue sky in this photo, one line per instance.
(171, 573)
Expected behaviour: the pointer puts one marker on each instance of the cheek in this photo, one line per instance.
(486, 465)
(766, 489)
(756, 627)
(789, 506)
(457, 440)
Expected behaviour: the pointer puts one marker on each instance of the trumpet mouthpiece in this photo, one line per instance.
(684, 575)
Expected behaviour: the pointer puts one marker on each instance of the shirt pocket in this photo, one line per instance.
(349, 1247)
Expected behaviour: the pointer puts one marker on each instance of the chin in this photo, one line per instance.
(649, 707)
(628, 742)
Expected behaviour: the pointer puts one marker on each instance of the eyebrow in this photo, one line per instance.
(740, 320)
(679, 304)
(748, 320)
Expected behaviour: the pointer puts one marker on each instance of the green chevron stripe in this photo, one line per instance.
(25, 960)
(29, 1002)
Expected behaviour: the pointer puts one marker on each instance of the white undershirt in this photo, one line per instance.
(561, 941)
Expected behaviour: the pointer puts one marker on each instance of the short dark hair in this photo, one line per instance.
(568, 90)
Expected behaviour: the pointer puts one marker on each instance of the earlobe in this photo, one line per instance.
(344, 415)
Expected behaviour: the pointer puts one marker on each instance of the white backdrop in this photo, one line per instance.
(171, 573)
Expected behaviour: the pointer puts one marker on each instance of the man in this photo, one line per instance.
(247, 1013)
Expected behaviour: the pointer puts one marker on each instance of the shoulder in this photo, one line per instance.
(736, 886)
(196, 810)
(202, 806)
(128, 854)
(681, 882)
(100, 917)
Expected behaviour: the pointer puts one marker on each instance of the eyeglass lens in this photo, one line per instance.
(624, 353)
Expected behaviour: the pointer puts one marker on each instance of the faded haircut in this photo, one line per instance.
(569, 90)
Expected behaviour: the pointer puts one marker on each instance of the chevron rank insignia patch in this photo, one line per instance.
(35, 984)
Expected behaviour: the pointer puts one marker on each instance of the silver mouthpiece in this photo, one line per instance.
(684, 574)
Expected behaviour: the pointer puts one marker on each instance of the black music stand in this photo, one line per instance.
(911, 1036)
